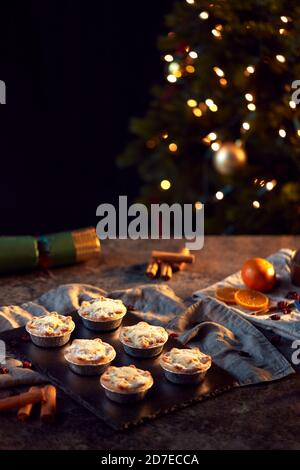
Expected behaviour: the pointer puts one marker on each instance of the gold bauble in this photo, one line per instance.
(229, 158)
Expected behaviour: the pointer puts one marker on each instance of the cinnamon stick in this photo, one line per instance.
(25, 411)
(165, 271)
(17, 401)
(171, 257)
(152, 269)
(181, 266)
(48, 408)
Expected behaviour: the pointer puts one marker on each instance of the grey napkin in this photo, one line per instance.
(233, 342)
(288, 326)
(63, 299)
(18, 375)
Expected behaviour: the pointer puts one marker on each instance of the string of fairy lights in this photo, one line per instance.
(178, 70)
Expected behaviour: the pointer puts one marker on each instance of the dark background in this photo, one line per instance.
(75, 72)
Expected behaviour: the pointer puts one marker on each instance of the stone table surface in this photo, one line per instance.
(257, 417)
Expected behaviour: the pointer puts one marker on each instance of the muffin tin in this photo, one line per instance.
(163, 397)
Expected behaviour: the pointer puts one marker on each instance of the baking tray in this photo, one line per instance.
(162, 398)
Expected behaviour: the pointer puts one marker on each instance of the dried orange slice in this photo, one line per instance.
(251, 299)
(226, 294)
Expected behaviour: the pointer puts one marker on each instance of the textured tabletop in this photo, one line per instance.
(260, 417)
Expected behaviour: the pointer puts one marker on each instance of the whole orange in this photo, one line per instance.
(259, 274)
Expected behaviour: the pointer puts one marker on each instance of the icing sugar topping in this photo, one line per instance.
(126, 379)
(89, 351)
(143, 335)
(52, 324)
(102, 309)
(189, 360)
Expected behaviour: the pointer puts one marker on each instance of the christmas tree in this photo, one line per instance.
(224, 130)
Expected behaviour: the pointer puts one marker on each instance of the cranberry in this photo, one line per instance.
(173, 335)
(4, 370)
(287, 310)
(283, 305)
(292, 296)
(26, 365)
(274, 317)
